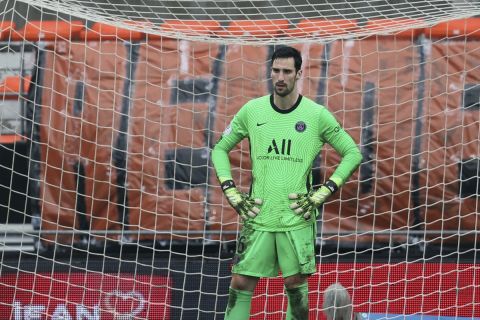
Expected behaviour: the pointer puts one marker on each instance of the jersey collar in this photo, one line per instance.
(287, 110)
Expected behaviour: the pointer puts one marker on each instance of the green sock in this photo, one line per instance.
(239, 303)
(298, 302)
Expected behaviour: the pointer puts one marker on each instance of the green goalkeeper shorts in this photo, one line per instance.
(263, 253)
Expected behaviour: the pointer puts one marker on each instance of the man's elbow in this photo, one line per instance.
(214, 154)
(356, 157)
(217, 153)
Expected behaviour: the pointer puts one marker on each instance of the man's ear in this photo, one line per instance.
(299, 74)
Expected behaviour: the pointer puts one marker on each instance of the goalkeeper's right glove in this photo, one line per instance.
(241, 202)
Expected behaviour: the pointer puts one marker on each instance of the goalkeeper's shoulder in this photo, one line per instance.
(252, 109)
(247, 108)
(313, 105)
(255, 103)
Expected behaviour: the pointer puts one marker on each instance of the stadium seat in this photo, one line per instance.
(48, 30)
(10, 86)
(326, 27)
(102, 31)
(11, 138)
(189, 27)
(469, 27)
(383, 26)
(6, 28)
(256, 28)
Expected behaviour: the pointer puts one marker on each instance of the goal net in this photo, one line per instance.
(109, 204)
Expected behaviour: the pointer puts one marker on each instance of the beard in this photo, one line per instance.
(285, 91)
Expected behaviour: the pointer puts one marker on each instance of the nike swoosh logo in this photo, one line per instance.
(261, 124)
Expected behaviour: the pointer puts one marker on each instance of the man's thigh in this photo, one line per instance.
(256, 254)
(296, 251)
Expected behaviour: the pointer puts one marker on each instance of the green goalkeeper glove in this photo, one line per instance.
(241, 202)
(307, 203)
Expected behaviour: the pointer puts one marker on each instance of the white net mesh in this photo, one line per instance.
(109, 205)
(284, 17)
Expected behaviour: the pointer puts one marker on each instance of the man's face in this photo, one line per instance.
(284, 76)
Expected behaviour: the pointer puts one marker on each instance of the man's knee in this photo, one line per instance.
(242, 282)
(295, 281)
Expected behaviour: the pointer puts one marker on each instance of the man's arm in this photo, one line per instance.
(345, 146)
(233, 134)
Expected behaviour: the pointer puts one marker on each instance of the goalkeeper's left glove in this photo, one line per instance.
(307, 203)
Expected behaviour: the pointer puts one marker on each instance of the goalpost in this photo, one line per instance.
(109, 205)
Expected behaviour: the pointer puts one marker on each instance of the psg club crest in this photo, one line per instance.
(300, 126)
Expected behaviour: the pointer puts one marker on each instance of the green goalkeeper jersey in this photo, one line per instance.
(283, 146)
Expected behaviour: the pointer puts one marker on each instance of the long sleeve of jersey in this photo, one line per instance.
(346, 147)
(233, 134)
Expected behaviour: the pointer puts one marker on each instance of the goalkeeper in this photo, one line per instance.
(286, 132)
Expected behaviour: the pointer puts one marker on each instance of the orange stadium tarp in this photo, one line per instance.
(373, 96)
(451, 135)
(81, 132)
(162, 121)
(371, 86)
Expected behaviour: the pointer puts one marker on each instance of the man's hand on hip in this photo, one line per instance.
(245, 206)
(307, 203)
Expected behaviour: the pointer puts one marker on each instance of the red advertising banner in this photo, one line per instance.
(412, 290)
(402, 290)
(89, 295)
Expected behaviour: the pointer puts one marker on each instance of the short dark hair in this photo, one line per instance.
(288, 52)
